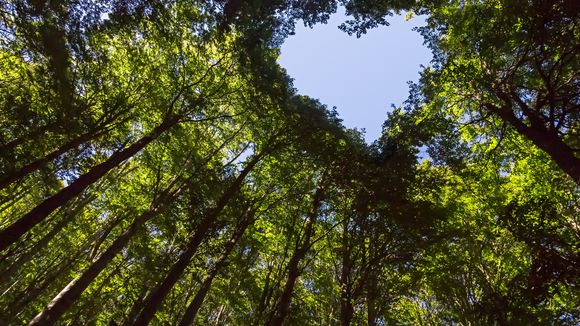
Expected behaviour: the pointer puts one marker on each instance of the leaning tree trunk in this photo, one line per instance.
(546, 140)
(63, 300)
(294, 270)
(193, 308)
(13, 232)
(8, 147)
(152, 303)
(43, 242)
(346, 307)
(265, 297)
(33, 166)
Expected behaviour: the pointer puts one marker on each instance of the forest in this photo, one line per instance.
(157, 166)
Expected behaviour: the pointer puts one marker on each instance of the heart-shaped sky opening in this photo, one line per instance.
(361, 77)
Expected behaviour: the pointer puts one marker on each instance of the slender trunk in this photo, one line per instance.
(371, 309)
(286, 297)
(371, 312)
(20, 174)
(219, 315)
(104, 235)
(154, 300)
(13, 232)
(264, 298)
(193, 308)
(34, 134)
(37, 287)
(346, 308)
(63, 300)
(136, 307)
(545, 139)
(68, 216)
(371, 284)
(293, 266)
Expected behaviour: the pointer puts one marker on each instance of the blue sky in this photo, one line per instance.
(361, 77)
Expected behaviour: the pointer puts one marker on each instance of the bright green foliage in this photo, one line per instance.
(156, 165)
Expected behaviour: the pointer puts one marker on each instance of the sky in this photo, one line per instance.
(361, 77)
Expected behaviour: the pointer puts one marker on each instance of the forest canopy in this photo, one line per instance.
(158, 167)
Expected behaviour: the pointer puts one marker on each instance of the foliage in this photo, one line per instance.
(157, 166)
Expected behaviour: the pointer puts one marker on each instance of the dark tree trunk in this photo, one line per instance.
(20, 174)
(346, 308)
(265, 297)
(152, 303)
(283, 305)
(371, 310)
(346, 311)
(545, 139)
(136, 307)
(29, 254)
(37, 287)
(193, 308)
(370, 281)
(6, 148)
(294, 270)
(62, 301)
(13, 232)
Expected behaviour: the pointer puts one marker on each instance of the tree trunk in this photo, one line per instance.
(371, 287)
(136, 307)
(218, 318)
(546, 140)
(62, 301)
(37, 287)
(13, 232)
(265, 297)
(193, 308)
(34, 134)
(152, 303)
(286, 297)
(293, 266)
(371, 312)
(346, 308)
(28, 255)
(20, 174)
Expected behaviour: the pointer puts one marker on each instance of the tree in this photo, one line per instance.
(515, 62)
(157, 166)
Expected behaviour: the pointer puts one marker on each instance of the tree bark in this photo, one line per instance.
(265, 297)
(62, 301)
(294, 270)
(32, 135)
(546, 140)
(152, 303)
(20, 174)
(193, 308)
(346, 308)
(13, 232)
(28, 255)
(37, 287)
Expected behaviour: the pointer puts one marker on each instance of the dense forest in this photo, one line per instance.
(158, 167)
